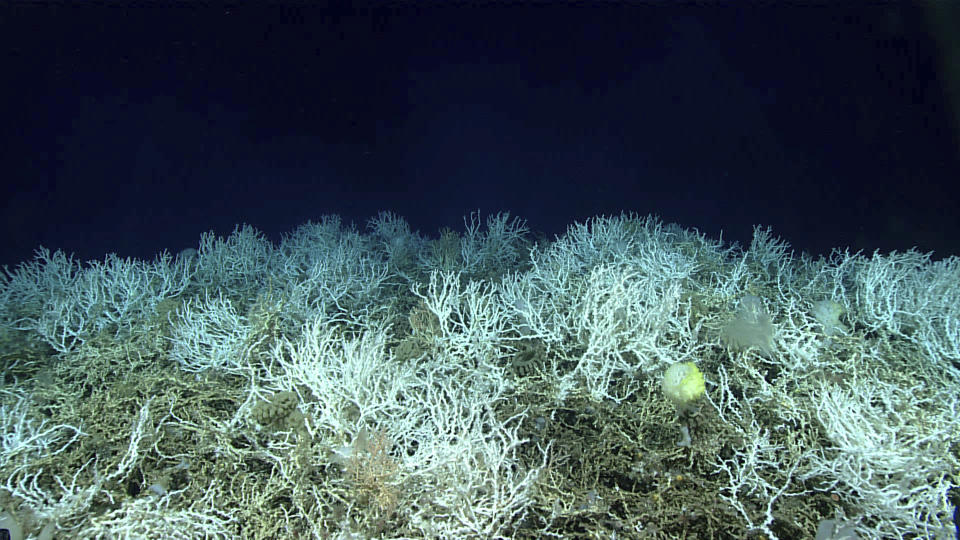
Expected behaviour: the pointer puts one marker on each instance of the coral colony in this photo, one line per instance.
(630, 378)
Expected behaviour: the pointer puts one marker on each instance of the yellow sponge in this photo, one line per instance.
(683, 383)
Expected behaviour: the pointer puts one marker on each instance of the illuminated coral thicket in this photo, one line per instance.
(486, 383)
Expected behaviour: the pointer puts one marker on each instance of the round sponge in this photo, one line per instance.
(683, 383)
